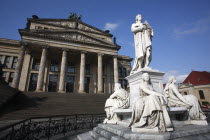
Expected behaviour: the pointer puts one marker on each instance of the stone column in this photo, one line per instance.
(116, 80)
(82, 73)
(63, 71)
(42, 70)
(16, 79)
(25, 71)
(100, 74)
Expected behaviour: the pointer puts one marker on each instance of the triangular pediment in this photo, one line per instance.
(72, 25)
(69, 36)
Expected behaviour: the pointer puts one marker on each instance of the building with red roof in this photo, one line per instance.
(198, 84)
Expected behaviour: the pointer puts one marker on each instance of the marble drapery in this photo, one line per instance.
(119, 99)
(175, 99)
(148, 110)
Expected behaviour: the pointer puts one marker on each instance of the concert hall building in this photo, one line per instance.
(63, 55)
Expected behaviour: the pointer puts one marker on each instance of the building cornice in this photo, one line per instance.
(102, 42)
(70, 20)
(9, 42)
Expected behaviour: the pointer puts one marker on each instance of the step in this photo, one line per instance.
(103, 133)
(96, 136)
(178, 133)
(85, 136)
(107, 134)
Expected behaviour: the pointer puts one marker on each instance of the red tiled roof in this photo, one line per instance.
(198, 78)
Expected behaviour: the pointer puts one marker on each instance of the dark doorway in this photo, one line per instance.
(33, 82)
(69, 83)
(87, 84)
(52, 86)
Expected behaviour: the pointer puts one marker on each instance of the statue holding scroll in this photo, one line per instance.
(143, 43)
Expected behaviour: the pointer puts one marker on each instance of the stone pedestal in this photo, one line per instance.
(135, 78)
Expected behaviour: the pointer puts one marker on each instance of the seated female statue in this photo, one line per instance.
(119, 99)
(175, 99)
(148, 110)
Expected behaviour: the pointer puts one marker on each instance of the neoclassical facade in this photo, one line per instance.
(63, 55)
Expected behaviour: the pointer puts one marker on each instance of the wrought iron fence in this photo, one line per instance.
(46, 127)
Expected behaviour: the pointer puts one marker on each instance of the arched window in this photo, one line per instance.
(201, 94)
(185, 93)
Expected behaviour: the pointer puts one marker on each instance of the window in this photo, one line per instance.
(87, 84)
(103, 70)
(71, 68)
(201, 94)
(185, 93)
(33, 82)
(7, 61)
(122, 72)
(54, 65)
(11, 76)
(103, 85)
(52, 86)
(87, 69)
(36, 64)
(14, 63)
(69, 83)
(4, 75)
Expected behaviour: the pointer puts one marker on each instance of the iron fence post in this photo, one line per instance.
(64, 127)
(92, 121)
(76, 122)
(48, 134)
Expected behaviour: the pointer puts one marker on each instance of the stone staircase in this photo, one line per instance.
(6, 92)
(118, 132)
(33, 104)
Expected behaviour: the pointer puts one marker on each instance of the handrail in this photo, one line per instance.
(47, 127)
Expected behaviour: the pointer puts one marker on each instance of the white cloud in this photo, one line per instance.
(111, 26)
(179, 77)
(199, 26)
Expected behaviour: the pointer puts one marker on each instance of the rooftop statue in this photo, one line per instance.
(119, 99)
(75, 16)
(143, 34)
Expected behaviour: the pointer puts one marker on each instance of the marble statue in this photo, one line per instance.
(119, 99)
(143, 43)
(149, 110)
(175, 99)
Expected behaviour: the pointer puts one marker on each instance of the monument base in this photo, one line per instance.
(134, 79)
(118, 132)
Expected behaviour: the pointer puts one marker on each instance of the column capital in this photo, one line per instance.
(83, 51)
(45, 47)
(115, 56)
(100, 54)
(22, 43)
(27, 51)
(65, 49)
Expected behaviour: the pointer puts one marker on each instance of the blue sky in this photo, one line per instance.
(181, 42)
